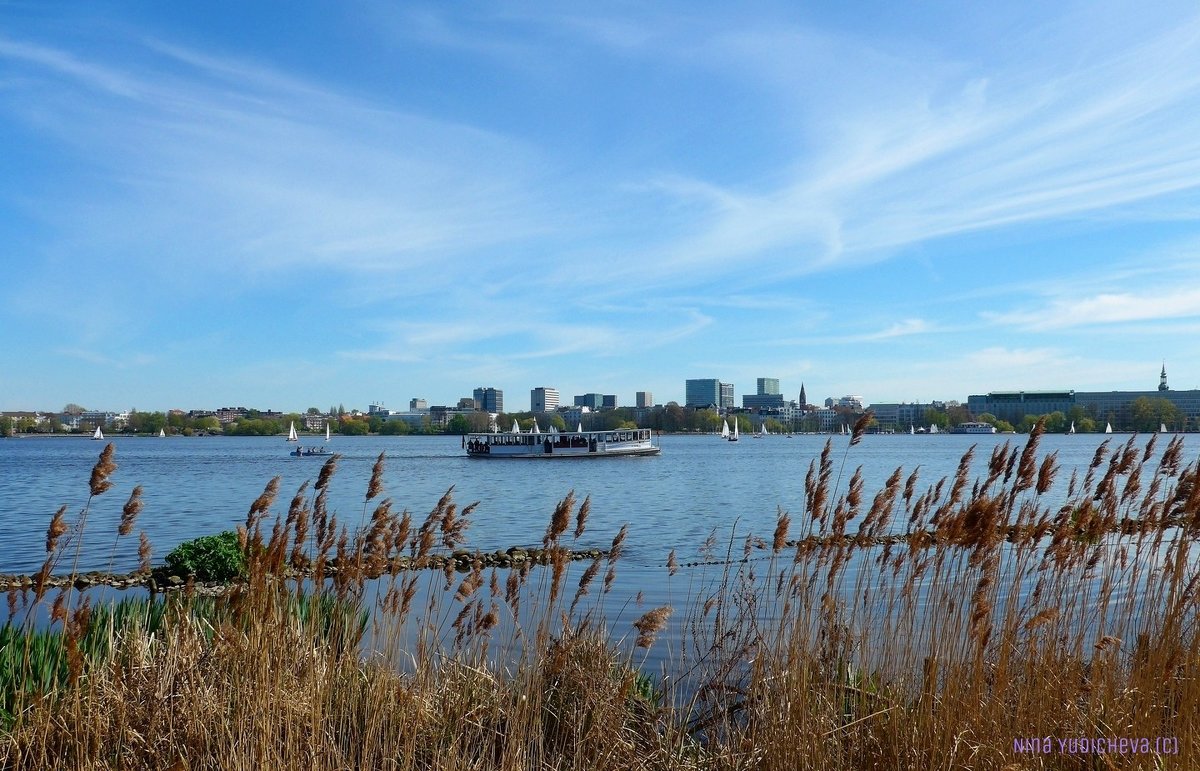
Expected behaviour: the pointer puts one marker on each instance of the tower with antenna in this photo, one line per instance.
(1162, 378)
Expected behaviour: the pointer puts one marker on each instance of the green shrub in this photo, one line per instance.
(209, 558)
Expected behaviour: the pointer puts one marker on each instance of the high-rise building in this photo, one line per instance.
(726, 402)
(543, 399)
(417, 405)
(767, 397)
(701, 392)
(706, 391)
(644, 399)
(591, 401)
(489, 399)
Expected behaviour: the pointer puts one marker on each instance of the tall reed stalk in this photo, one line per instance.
(944, 627)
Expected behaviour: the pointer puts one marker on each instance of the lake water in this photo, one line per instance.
(697, 486)
(200, 486)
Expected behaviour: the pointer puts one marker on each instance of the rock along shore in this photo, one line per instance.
(161, 579)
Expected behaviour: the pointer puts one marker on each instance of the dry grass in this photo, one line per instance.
(919, 629)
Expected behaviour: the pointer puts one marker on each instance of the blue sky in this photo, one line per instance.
(263, 205)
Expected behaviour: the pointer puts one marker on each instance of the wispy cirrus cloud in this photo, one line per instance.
(1105, 308)
(244, 165)
(894, 163)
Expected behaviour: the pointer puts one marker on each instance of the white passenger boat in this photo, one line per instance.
(973, 428)
(562, 444)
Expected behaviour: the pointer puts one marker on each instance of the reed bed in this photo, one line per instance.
(965, 623)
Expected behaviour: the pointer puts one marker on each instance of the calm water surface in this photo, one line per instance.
(200, 486)
(698, 486)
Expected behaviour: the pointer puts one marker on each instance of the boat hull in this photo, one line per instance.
(643, 451)
(576, 444)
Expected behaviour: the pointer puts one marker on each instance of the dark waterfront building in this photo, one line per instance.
(1015, 405)
(1113, 407)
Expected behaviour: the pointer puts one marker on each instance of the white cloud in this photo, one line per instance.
(1106, 308)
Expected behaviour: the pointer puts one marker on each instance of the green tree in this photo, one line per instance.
(1149, 413)
(708, 421)
(312, 411)
(208, 423)
(394, 428)
(6, 426)
(1056, 422)
(957, 414)
(674, 418)
(253, 427)
(935, 417)
(354, 427)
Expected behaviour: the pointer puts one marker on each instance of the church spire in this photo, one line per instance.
(803, 398)
(1162, 379)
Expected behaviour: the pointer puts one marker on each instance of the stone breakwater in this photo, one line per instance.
(161, 579)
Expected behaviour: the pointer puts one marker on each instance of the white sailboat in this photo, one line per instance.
(725, 430)
(911, 429)
(734, 436)
(326, 431)
(1108, 428)
(1071, 430)
(99, 434)
(1162, 428)
(933, 429)
(291, 437)
(162, 433)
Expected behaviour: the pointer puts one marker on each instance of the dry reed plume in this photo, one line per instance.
(948, 627)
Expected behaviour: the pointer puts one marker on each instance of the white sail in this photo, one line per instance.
(579, 428)
(1071, 430)
(911, 429)
(734, 436)
(99, 434)
(536, 429)
(516, 429)
(1162, 428)
(162, 433)
(292, 433)
(1108, 428)
(933, 429)
(327, 431)
(725, 429)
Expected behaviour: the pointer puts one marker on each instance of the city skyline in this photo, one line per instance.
(484, 396)
(198, 209)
